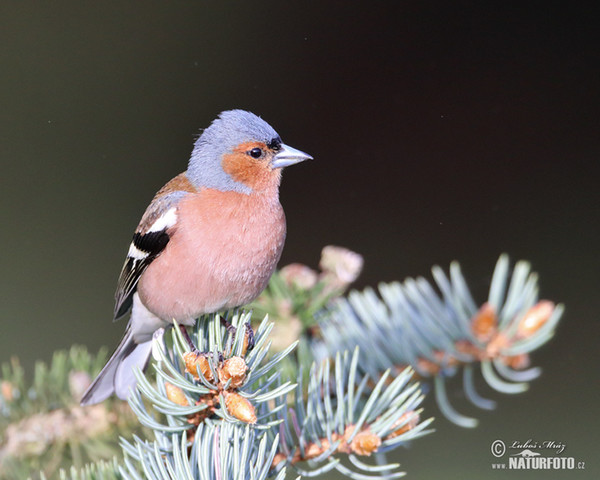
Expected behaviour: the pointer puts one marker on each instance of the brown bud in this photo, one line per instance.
(426, 367)
(496, 344)
(299, 275)
(517, 362)
(464, 346)
(412, 420)
(341, 265)
(313, 450)
(444, 359)
(7, 389)
(233, 368)
(240, 407)
(210, 401)
(176, 395)
(192, 360)
(485, 323)
(365, 443)
(277, 459)
(535, 317)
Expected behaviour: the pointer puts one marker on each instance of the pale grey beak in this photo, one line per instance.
(288, 156)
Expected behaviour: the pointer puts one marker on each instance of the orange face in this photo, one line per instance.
(250, 164)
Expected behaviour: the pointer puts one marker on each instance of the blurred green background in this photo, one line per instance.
(440, 130)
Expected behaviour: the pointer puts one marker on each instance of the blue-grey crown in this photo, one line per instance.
(231, 128)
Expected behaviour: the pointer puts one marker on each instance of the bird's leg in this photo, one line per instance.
(232, 332)
(193, 347)
(188, 339)
(250, 336)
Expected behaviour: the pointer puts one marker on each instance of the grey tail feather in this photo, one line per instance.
(117, 375)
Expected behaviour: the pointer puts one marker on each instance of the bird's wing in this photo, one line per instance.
(150, 239)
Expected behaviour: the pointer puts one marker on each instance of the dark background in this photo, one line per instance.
(440, 131)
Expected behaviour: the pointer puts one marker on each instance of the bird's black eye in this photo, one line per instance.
(255, 153)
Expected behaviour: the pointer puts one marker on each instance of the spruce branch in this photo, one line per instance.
(53, 386)
(42, 426)
(228, 402)
(102, 470)
(226, 380)
(340, 388)
(440, 334)
(210, 408)
(217, 450)
(341, 412)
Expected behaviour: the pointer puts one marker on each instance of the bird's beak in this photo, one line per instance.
(287, 156)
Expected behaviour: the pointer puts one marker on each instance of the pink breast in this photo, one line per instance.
(221, 254)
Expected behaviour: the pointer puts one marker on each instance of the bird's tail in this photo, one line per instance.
(117, 375)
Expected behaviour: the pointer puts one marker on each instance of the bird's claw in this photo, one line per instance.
(188, 339)
(232, 331)
(250, 337)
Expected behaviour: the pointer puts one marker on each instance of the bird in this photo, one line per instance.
(209, 241)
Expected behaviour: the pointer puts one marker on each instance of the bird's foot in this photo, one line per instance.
(188, 339)
(249, 334)
(231, 330)
(250, 337)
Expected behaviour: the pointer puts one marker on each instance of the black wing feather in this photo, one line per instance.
(152, 244)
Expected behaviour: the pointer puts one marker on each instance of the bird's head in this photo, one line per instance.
(240, 152)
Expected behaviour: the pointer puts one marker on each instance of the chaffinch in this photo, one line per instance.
(209, 241)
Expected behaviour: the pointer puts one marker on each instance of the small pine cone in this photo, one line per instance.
(485, 323)
(192, 359)
(365, 443)
(240, 407)
(413, 420)
(535, 317)
(176, 395)
(234, 368)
